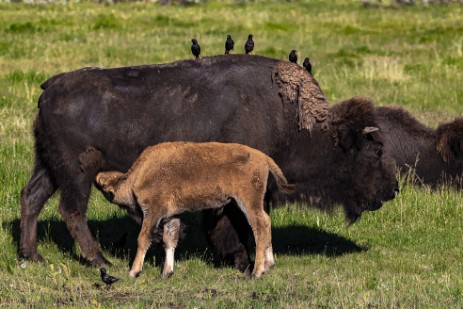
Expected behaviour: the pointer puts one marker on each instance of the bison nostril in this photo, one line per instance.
(379, 152)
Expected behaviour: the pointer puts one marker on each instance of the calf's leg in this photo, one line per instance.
(150, 221)
(170, 237)
(261, 228)
(269, 260)
(33, 197)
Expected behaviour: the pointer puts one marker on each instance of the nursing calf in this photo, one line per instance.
(172, 178)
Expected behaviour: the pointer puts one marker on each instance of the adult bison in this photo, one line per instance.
(433, 156)
(93, 120)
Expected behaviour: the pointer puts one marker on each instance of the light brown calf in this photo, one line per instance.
(171, 178)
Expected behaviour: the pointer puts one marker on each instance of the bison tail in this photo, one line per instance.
(282, 183)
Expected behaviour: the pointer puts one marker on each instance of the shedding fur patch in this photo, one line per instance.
(257, 182)
(90, 160)
(298, 86)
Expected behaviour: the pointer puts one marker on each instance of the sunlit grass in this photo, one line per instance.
(406, 254)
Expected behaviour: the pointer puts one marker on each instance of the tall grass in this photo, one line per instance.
(408, 254)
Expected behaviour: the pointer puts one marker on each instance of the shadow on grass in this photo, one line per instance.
(119, 237)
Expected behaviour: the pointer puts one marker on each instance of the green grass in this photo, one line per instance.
(408, 254)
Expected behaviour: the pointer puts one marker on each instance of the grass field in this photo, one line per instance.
(408, 254)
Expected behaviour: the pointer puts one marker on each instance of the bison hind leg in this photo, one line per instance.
(33, 197)
(228, 231)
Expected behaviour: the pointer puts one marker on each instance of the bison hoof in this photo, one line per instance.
(98, 261)
(35, 257)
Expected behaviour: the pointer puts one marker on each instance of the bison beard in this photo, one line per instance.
(93, 120)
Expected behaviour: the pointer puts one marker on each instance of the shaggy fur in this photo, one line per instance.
(432, 157)
(94, 119)
(171, 178)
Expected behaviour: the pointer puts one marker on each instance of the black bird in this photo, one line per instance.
(108, 279)
(292, 56)
(307, 65)
(229, 44)
(195, 48)
(249, 46)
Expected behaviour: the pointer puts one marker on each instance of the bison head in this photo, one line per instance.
(366, 173)
(449, 144)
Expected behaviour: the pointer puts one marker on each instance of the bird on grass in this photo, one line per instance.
(307, 65)
(106, 278)
(195, 48)
(229, 44)
(292, 56)
(249, 46)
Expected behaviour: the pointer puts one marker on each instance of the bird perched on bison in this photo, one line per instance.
(195, 48)
(307, 65)
(229, 44)
(106, 278)
(249, 46)
(292, 56)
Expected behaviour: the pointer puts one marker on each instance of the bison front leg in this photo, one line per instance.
(73, 209)
(170, 237)
(33, 197)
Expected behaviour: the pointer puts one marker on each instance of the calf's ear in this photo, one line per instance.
(105, 179)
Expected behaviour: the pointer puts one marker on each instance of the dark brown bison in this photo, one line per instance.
(434, 157)
(274, 106)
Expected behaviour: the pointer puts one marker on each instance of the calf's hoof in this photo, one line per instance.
(257, 273)
(134, 273)
(268, 265)
(166, 274)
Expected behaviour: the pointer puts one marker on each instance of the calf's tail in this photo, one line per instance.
(282, 183)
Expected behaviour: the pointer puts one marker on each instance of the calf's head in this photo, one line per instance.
(366, 175)
(107, 182)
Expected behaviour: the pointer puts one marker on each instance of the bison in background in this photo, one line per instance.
(432, 157)
(93, 120)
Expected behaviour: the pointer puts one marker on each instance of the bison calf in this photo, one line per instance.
(171, 178)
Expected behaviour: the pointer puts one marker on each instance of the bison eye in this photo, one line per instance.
(368, 137)
(379, 152)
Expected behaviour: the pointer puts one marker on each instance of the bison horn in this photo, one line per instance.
(368, 130)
